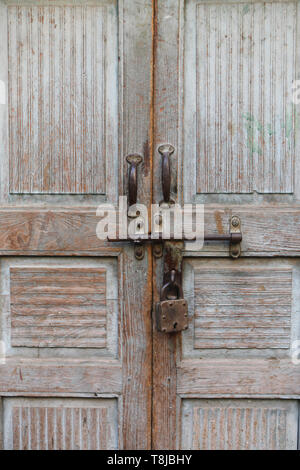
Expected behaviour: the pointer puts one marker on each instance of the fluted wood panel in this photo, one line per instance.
(243, 307)
(58, 425)
(245, 117)
(56, 61)
(249, 425)
(58, 307)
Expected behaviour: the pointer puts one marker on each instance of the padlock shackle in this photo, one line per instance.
(171, 285)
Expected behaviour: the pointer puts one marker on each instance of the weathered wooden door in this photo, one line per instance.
(83, 84)
(75, 367)
(223, 99)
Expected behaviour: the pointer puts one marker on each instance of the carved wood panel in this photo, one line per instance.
(66, 304)
(62, 98)
(243, 307)
(239, 424)
(60, 424)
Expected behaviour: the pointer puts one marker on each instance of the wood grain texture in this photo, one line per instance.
(246, 377)
(136, 276)
(242, 307)
(267, 230)
(166, 130)
(222, 88)
(127, 90)
(239, 425)
(58, 307)
(49, 231)
(245, 70)
(60, 424)
(53, 376)
(166, 88)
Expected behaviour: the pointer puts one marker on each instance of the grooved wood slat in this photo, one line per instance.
(242, 307)
(41, 316)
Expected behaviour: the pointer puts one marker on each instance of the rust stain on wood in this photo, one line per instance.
(218, 218)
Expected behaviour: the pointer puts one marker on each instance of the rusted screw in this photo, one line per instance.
(164, 317)
(235, 221)
(139, 252)
(157, 250)
(170, 303)
(164, 330)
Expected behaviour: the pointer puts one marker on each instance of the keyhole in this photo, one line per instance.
(139, 226)
(175, 325)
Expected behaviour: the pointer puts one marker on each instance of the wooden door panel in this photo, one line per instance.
(249, 306)
(239, 424)
(223, 98)
(60, 424)
(77, 342)
(243, 323)
(63, 303)
(62, 110)
(240, 122)
(60, 320)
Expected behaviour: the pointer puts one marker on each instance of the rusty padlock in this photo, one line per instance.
(172, 313)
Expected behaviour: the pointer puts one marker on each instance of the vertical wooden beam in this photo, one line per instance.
(135, 137)
(166, 124)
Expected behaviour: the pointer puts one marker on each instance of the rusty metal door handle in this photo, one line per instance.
(166, 151)
(134, 160)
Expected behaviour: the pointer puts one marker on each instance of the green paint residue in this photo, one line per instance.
(246, 9)
(257, 133)
(252, 127)
(289, 124)
(270, 132)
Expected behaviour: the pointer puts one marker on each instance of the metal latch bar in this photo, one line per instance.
(234, 237)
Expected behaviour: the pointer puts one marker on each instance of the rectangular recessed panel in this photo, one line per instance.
(242, 307)
(58, 307)
(239, 424)
(56, 61)
(60, 424)
(245, 67)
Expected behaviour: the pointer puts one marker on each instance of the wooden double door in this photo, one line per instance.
(83, 84)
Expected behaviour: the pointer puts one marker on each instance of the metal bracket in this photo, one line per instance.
(236, 237)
